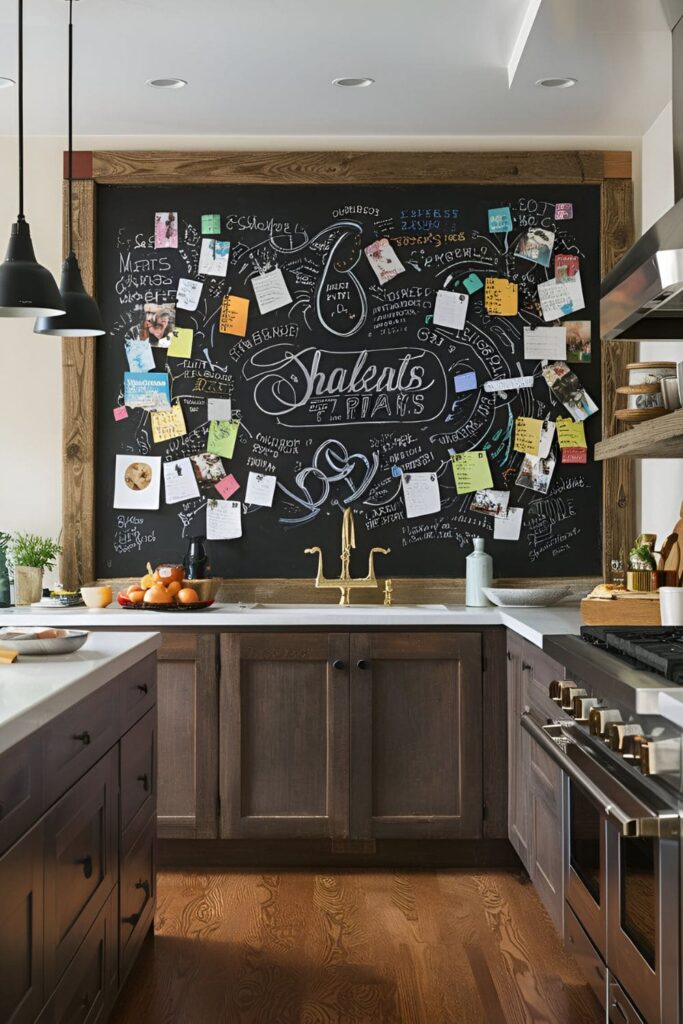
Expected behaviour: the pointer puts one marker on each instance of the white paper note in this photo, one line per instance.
(547, 435)
(188, 294)
(260, 489)
(180, 483)
(214, 256)
(450, 309)
(271, 291)
(545, 343)
(223, 520)
(509, 384)
(509, 526)
(421, 494)
(137, 481)
(219, 409)
(560, 298)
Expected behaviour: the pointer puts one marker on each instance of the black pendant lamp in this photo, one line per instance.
(83, 318)
(26, 288)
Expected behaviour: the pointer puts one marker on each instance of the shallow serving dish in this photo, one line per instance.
(526, 597)
(73, 641)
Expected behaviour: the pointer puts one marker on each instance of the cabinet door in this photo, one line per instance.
(21, 930)
(519, 810)
(546, 867)
(284, 735)
(416, 735)
(187, 722)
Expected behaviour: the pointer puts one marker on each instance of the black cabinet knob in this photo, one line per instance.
(526, 667)
(338, 664)
(83, 737)
(144, 779)
(132, 920)
(86, 864)
(362, 664)
(143, 688)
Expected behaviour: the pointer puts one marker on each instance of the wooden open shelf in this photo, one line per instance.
(661, 438)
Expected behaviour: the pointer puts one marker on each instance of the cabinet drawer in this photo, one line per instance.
(138, 770)
(89, 983)
(138, 689)
(137, 887)
(586, 955)
(79, 738)
(81, 850)
(21, 930)
(21, 790)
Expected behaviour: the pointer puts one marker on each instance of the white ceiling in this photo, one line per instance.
(264, 67)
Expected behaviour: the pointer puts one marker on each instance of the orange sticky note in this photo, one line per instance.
(234, 313)
(501, 297)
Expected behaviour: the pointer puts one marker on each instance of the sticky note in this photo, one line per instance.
(473, 283)
(120, 413)
(500, 219)
(168, 423)
(450, 309)
(500, 297)
(227, 486)
(234, 313)
(181, 343)
(465, 381)
(570, 434)
(211, 223)
(471, 471)
(219, 408)
(222, 437)
(564, 211)
(528, 435)
(577, 455)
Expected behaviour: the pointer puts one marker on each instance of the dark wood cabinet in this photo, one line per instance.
(284, 735)
(21, 930)
(416, 735)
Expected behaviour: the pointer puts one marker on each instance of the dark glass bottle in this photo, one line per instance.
(196, 561)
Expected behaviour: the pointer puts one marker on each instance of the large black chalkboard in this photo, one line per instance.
(327, 454)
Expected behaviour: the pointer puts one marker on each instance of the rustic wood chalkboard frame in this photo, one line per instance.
(611, 170)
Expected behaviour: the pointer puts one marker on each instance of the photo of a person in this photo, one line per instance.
(578, 341)
(536, 245)
(158, 323)
(536, 473)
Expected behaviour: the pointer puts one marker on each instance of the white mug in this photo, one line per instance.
(671, 606)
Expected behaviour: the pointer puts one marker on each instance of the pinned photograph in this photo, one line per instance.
(383, 260)
(139, 354)
(578, 341)
(208, 468)
(137, 480)
(214, 257)
(490, 503)
(158, 323)
(166, 230)
(566, 266)
(567, 389)
(146, 391)
(536, 473)
(536, 245)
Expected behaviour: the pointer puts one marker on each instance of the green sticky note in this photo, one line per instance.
(570, 434)
(181, 343)
(211, 223)
(473, 283)
(222, 437)
(471, 471)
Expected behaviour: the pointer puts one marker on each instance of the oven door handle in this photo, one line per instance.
(629, 826)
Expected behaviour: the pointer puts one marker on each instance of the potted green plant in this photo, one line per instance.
(30, 555)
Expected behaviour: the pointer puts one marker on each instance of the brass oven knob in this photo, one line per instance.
(558, 687)
(569, 693)
(600, 718)
(618, 731)
(581, 707)
(633, 747)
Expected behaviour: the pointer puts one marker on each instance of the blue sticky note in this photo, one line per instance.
(500, 219)
(465, 382)
(396, 471)
(473, 283)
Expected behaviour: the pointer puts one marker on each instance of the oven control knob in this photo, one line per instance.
(618, 731)
(581, 707)
(632, 747)
(555, 690)
(570, 693)
(600, 718)
(659, 757)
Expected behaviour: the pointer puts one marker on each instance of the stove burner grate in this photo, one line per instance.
(657, 648)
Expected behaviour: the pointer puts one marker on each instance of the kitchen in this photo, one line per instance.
(305, 711)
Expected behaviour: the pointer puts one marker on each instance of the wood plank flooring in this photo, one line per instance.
(342, 947)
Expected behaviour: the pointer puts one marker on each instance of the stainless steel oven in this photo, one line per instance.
(622, 873)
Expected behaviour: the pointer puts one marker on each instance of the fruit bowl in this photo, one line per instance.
(172, 606)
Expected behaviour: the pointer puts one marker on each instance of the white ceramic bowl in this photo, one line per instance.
(96, 597)
(526, 597)
(73, 641)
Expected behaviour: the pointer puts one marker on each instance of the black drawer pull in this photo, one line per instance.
(144, 885)
(144, 779)
(338, 664)
(143, 687)
(84, 738)
(133, 919)
(86, 864)
(526, 667)
(362, 664)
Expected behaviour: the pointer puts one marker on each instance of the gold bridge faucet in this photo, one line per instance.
(346, 582)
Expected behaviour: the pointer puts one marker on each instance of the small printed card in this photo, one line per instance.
(509, 384)
(528, 435)
(181, 343)
(223, 520)
(214, 257)
(450, 309)
(508, 526)
(545, 343)
(564, 211)
(227, 486)
(271, 291)
(139, 354)
(465, 381)
(168, 423)
(566, 266)
(180, 483)
(260, 489)
(211, 223)
(500, 220)
(188, 294)
(501, 297)
(383, 260)
(219, 408)
(146, 391)
(421, 494)
(471, 472)
(222, 437)
(233, 317)
(165, 230)
(490, 503)
(137, 481)
(577, 455)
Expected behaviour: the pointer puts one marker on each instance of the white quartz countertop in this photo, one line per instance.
(34, 690)
(531, 623)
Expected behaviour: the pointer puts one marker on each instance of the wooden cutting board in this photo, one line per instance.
(672, 550)
(639, 610)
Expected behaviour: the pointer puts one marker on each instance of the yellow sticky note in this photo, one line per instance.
(501, 297)
(528, 435)
(222, 437)
(471, 471)
(181, 343)
(234, 313)
(168, 423)
(570, 434)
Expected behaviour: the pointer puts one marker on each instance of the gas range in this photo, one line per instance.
(654, 648)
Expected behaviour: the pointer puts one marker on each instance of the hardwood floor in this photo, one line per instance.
(300, 947)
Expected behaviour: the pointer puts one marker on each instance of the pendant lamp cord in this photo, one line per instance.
(21, 110)
(70, 247)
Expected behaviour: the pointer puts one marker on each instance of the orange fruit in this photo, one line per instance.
(157, 595)
(137, 596)
(174, 587)
(187, 596)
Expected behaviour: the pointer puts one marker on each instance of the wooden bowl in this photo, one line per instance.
(206, 589)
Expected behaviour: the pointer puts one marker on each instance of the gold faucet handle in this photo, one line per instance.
(380, 551)
(310, 551)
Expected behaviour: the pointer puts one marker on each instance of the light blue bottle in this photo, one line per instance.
(478, 573)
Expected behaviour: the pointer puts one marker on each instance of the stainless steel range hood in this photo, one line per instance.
(642, 297)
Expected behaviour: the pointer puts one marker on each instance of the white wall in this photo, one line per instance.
(30, 402)
(660, 480)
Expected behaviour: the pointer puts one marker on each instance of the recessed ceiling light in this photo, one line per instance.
(167, 83)
(7, 83)
(556, 83)
(353, 83)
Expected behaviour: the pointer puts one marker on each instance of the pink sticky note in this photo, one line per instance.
(579, 455)
(564, 211)
(227, 486)
(120, 412)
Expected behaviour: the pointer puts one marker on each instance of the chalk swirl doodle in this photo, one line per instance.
(331, 463)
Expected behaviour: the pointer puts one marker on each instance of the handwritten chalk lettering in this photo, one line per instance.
(386, 389)
(356, 211)
(251, 222)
